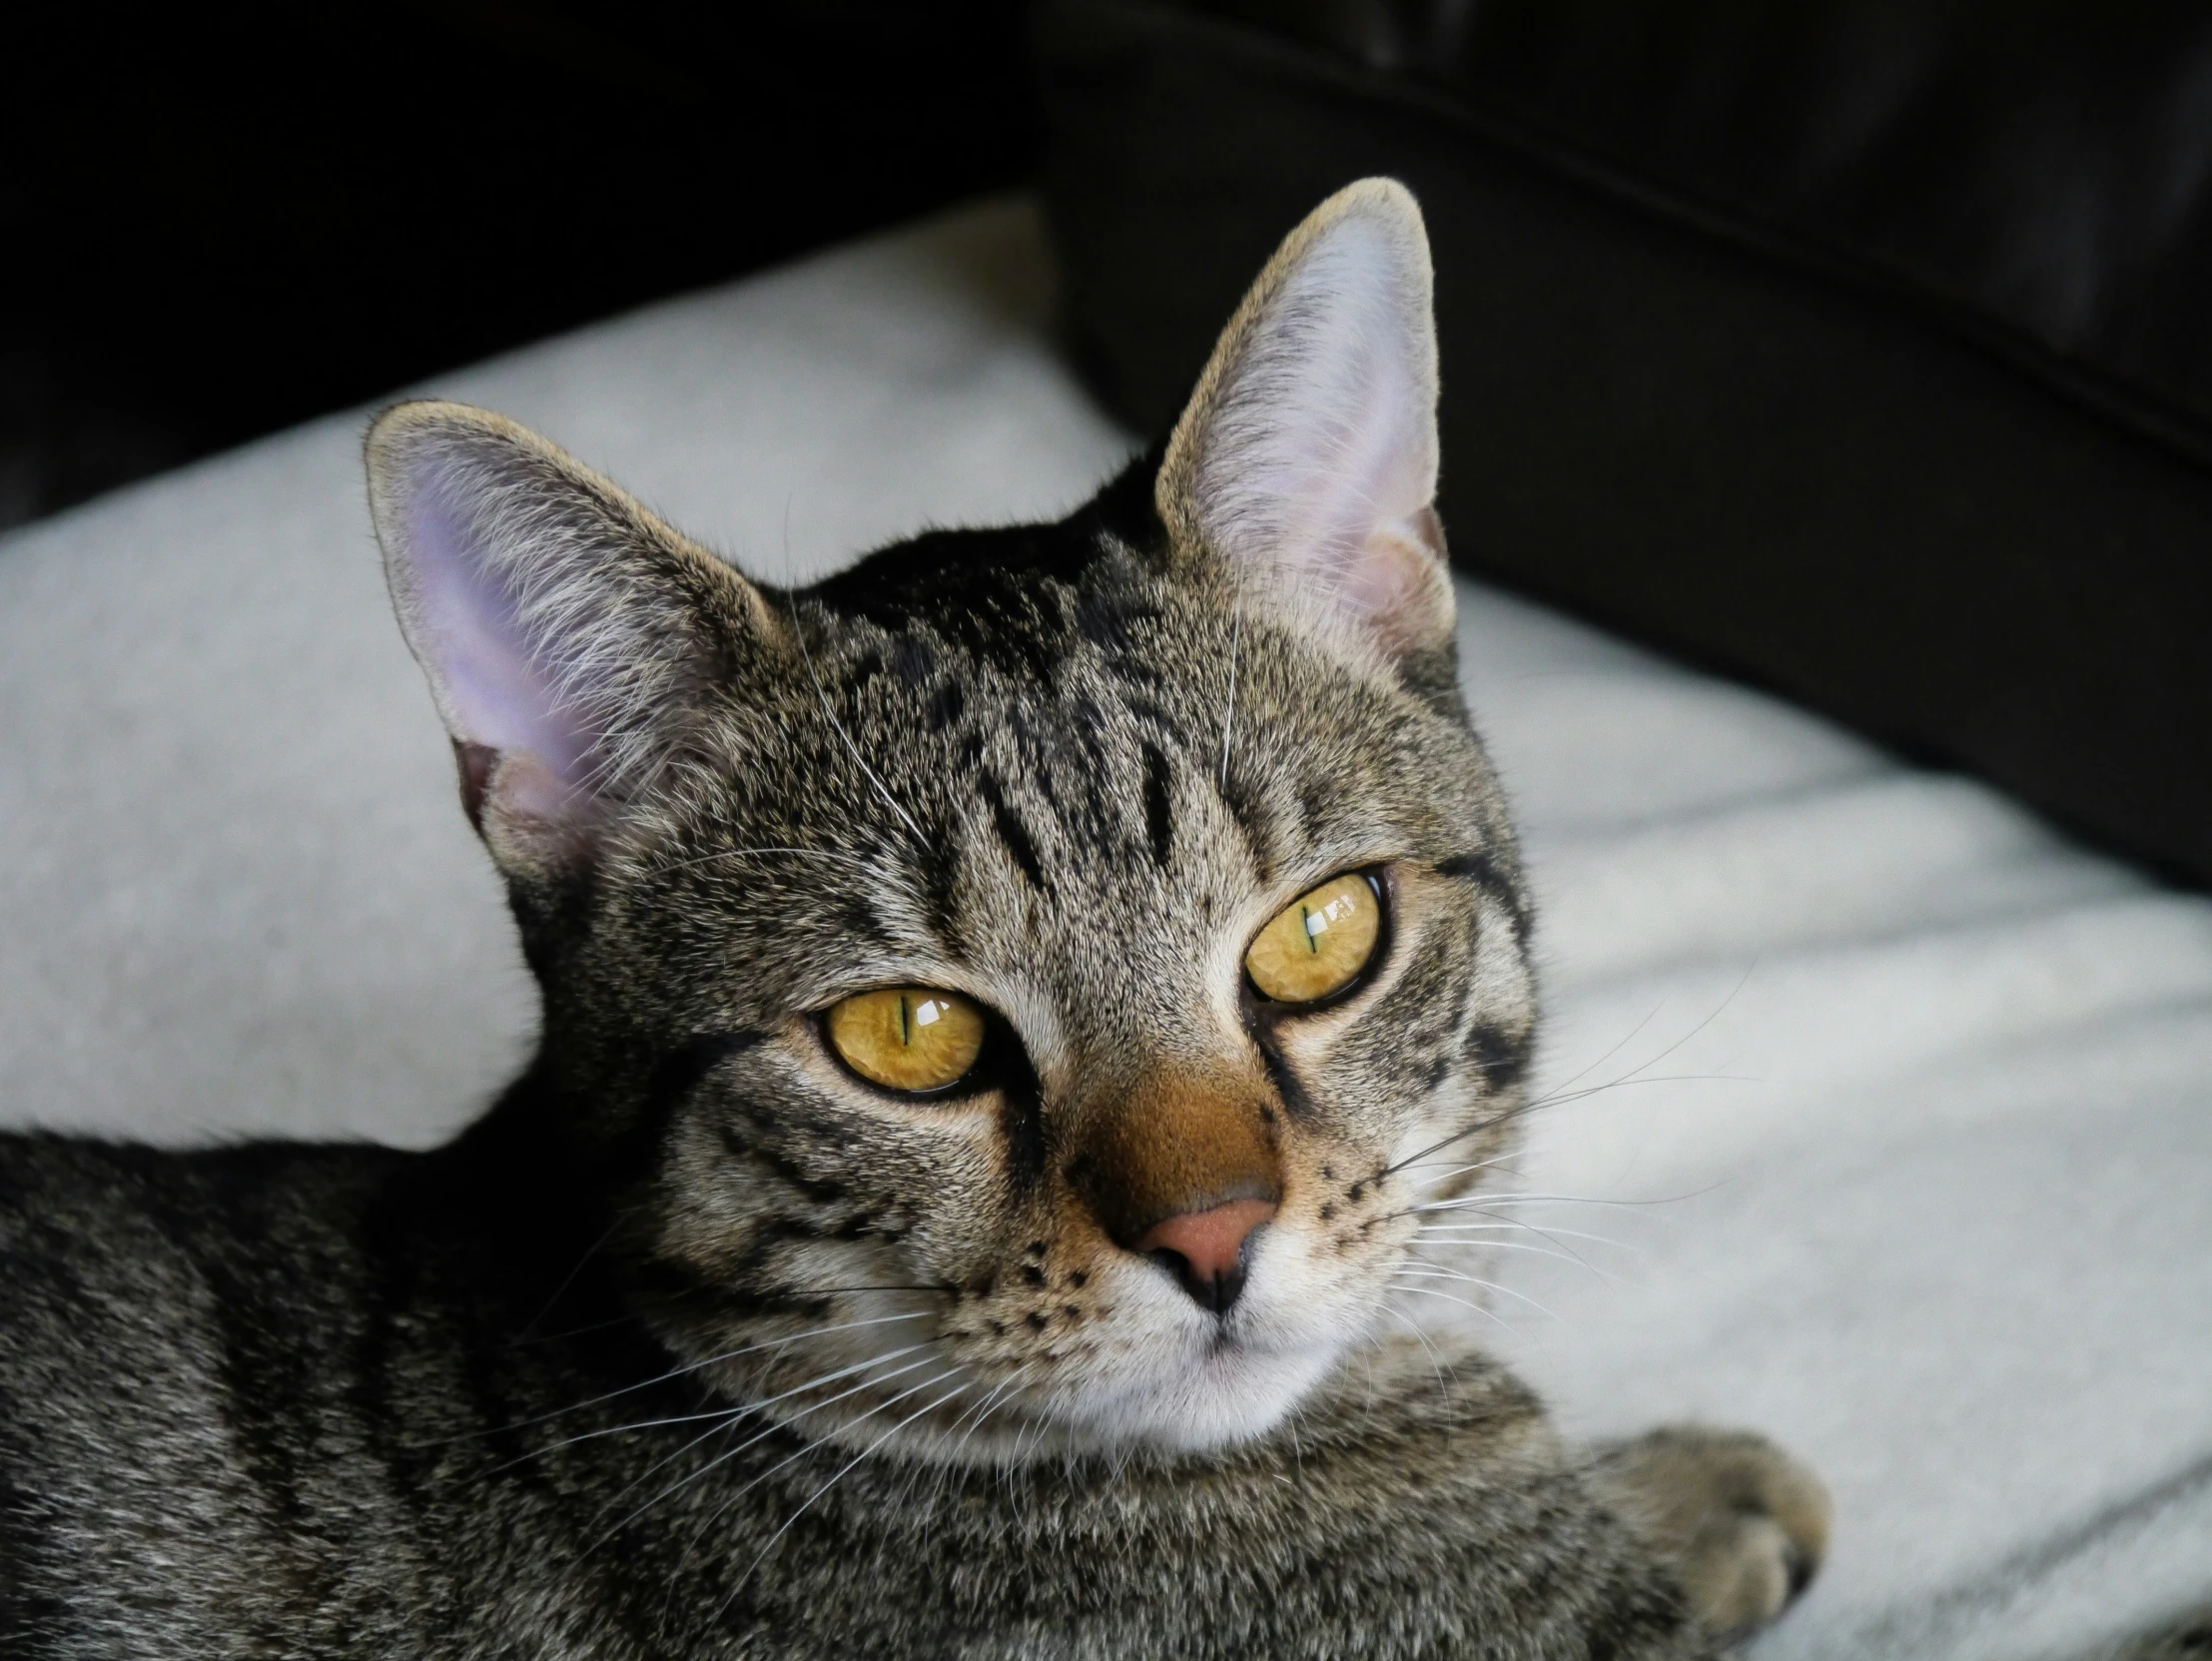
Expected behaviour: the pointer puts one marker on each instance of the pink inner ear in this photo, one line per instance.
(1319, 462)
(502, 697)
(1363, 472)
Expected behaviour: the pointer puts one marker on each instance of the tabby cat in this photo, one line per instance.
(1012, 1015)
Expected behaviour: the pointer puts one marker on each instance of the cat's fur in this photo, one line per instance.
(697, 1346)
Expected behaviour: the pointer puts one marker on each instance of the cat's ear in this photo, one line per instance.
(1306, 458)
(567, 633)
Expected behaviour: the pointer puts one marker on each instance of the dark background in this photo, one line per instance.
(223, 220)
(1859, 349)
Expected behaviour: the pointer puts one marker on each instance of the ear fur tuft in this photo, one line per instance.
(564, 629)
(1307, 456)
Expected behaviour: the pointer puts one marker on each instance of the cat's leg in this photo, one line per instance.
(1742, 1523)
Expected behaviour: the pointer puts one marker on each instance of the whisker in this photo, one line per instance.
(1003, 1390)
(801, 1453)
(1447, 1235)
(1504, 1162)
(1718, 1009)
(929, 1407)
(1481, 1204)
(1474, 1130)
(914, 1285)
(615, 1430)
(1509, 1246)
(1488, 1315)
(807, 1446)
(737, 1410)
(1560, 1098)
(1001, 1396)
(1548, 1231)
(675, 1372)
(1557, 1098)
(1563, 1094)
(1620, 1044)
(748, 1408)
(570, 1331)
(1436, 1363)
(567, 1280)
(1551, 1231)
(1475, 1201)
(1438, 1271)
(838, 726)
(723, 1458)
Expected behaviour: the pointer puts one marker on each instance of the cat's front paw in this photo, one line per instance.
(1740, 1522)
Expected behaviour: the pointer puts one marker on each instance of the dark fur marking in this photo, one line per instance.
(1115, 622)
(1288, 1087)
(822, 1190)
(946, 705)
(672, 1284)
(1160, 822)
(1021, 1112)
(1247, 811)
(1501, 1058)
(1012, 833)
(913, 661)
(938, 869)
(1482, 871)
(674, 1076)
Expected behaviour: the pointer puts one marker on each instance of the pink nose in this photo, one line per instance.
(1205, 1249)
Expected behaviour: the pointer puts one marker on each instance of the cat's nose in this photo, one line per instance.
(1205, 1251)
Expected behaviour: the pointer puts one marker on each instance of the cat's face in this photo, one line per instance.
(1044, 968)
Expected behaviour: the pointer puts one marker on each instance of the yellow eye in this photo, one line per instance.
(1317, 943)
(908, 1037)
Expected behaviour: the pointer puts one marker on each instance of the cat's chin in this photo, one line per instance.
(1235, 1392)
(1231, 1395)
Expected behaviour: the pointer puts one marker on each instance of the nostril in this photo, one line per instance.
(1215, 1292)
(1205, 1251)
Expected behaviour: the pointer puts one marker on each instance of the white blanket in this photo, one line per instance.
(1904, 1104)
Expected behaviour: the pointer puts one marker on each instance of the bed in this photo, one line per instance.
(1878, 1114)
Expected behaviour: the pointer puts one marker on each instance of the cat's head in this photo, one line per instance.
(1019, 986)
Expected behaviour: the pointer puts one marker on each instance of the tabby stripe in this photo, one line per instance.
(1159, 823)
(1502, 1057)
(1012, 833)
(1482, 872)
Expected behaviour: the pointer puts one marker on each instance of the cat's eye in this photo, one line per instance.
(1319, 942)
(907, 1037)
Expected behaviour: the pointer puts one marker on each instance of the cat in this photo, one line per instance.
(1018, 1018)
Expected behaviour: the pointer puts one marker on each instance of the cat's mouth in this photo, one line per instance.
(1167, 1370)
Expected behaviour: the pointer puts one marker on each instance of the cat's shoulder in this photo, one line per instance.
(80, 1213)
